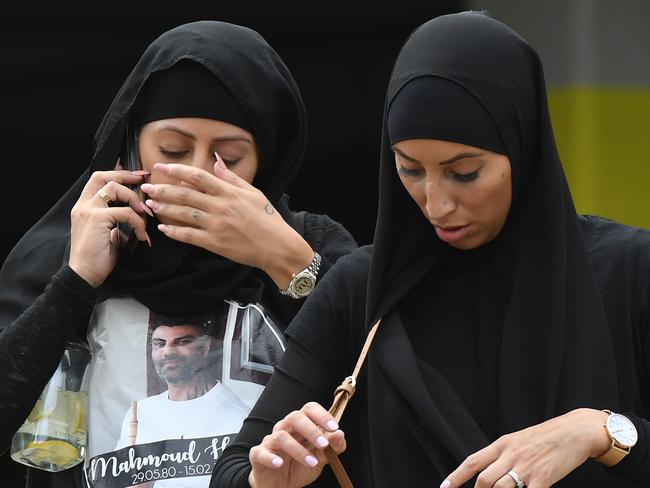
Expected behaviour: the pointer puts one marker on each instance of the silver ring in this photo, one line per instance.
(102, 194)
(519, 483)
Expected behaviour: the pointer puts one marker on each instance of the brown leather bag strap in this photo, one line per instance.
(342, 396)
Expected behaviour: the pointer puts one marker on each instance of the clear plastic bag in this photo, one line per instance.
(53, 437)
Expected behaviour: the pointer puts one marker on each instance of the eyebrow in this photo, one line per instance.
(216, 139)
(181, 338)
(187, 336)
(451, 160)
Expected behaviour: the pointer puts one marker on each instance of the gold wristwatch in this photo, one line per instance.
(303, 283)
(623, 435)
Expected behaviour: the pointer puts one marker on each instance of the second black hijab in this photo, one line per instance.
(555, 352)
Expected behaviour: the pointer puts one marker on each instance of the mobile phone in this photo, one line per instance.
(129, 155)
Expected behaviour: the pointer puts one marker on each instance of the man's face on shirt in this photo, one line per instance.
(179, 352)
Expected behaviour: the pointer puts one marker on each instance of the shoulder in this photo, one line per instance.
(611, 243)
(600, 232)
(352, 268)
(322, 226)
(154, 399)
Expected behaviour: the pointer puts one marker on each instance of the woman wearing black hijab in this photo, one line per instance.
(216, 123)
(509, 322)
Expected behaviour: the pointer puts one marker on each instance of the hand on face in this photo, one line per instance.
(94, 235)
(220, 212)
(540, 455)
(293, 454)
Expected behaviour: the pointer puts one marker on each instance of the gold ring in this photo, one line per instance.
(102, 194)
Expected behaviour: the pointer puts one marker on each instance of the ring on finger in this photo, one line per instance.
(104, 196)
(519, 483)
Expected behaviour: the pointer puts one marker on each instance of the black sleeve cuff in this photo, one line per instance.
(636, 465)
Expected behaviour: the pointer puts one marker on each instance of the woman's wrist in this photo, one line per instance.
(592, 422)
(89, 276)
(289, 256)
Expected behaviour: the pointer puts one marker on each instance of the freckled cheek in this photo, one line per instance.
(497, 207)
(482, 204)
(148, 156)
(417, 193)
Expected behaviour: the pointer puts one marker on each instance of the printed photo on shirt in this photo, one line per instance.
(201, 375)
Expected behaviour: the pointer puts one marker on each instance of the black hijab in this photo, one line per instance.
(172, 276)
(555, 352)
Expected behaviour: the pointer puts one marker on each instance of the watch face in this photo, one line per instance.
(303, 285)
(622, 430)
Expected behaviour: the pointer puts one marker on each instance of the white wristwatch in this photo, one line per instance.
(303, 283)
(623, 435)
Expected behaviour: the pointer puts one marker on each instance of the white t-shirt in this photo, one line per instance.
(159, 418)
(217, 412)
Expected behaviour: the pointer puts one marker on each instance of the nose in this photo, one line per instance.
(440, 202)
(203, 159)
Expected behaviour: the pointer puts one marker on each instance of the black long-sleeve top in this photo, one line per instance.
(31, 347)
(328, 333)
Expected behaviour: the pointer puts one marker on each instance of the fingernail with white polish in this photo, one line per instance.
(219, 161)
(146, 209)
(445, 484)
(152, 204)
(164, 167)
(147, 187)
(311, 460)
(277, 462)
(321, 441)
(332, 425)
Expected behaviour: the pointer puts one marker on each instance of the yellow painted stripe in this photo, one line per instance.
(603, 136)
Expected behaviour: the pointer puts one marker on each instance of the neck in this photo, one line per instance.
(189, 391)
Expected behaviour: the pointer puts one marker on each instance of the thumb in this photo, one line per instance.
(222, 172)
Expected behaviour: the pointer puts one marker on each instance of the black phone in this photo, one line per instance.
(130, 161)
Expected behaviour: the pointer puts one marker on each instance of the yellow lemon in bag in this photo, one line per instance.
(52, 451)
(39, 412)
(79, 414)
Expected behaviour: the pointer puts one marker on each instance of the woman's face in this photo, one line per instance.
(193, 141)
(464, 191)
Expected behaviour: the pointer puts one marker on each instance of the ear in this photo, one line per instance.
(206, 342)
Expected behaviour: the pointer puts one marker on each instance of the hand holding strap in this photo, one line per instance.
(342, 396)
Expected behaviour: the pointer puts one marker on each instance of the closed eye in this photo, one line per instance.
(173, 154)
(231, 162)
(465, 177)
(410, 173)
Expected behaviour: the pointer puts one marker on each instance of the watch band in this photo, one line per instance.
(314, 266)
(613, 456)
